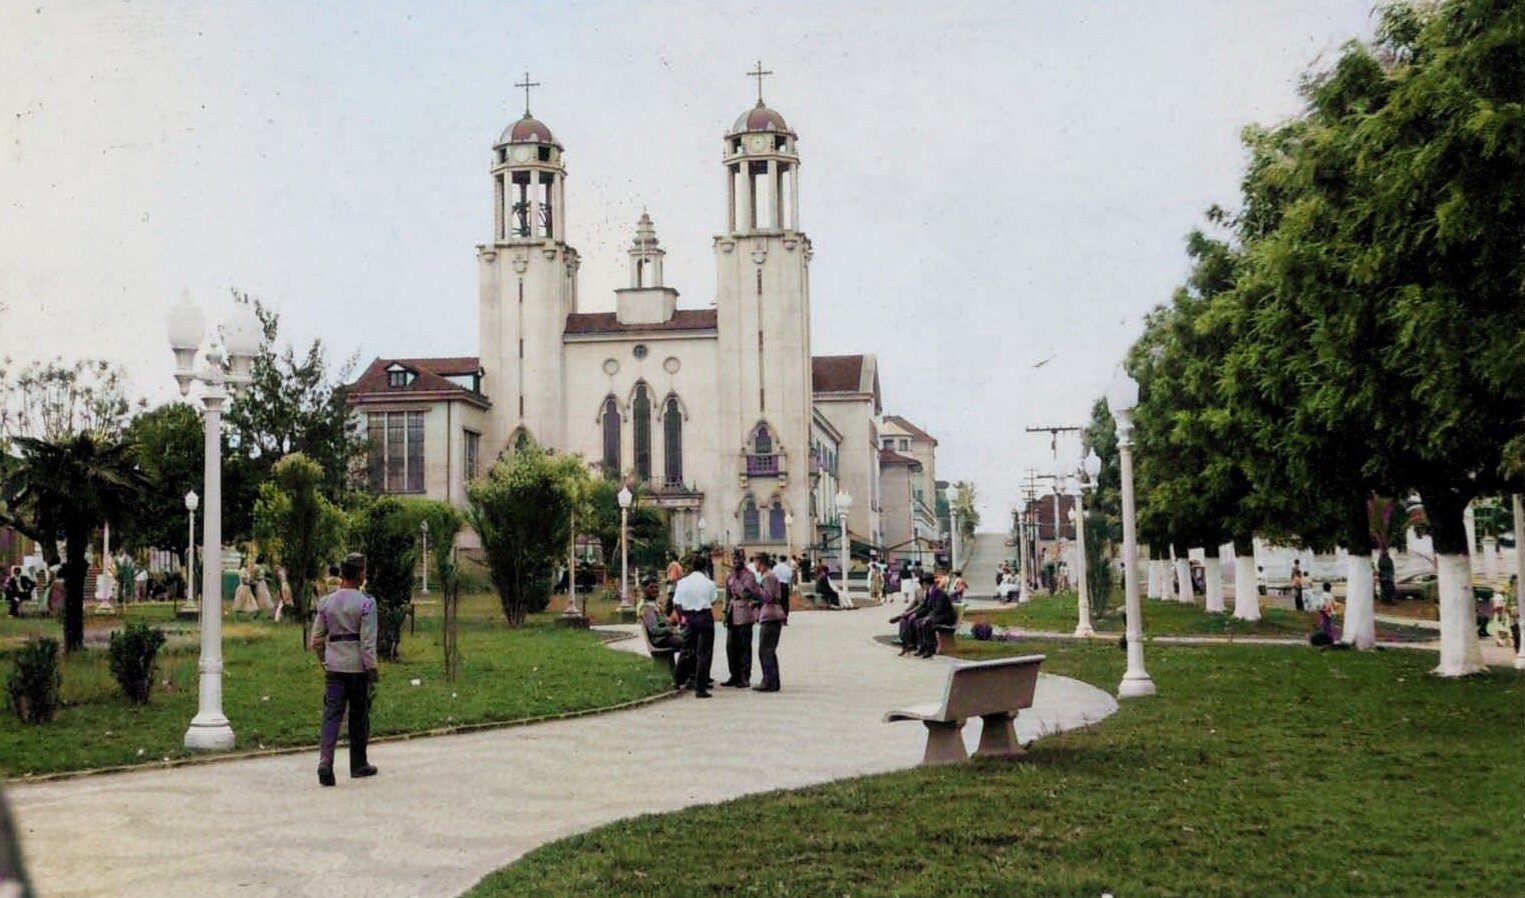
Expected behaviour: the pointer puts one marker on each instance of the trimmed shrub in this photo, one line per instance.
(134, 651)
(34, 681)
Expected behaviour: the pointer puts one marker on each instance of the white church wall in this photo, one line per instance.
(858, 460)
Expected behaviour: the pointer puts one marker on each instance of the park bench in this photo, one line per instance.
(947, 632)
(993, 691)
(666, 659)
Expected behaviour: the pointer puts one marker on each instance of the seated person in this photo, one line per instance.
(659, 629)
(909, 621)
(824, 592)
(938, 611)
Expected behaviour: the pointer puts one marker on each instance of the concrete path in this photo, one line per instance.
(981, 562)
(446, 811)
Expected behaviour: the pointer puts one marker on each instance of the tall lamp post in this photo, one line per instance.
(625, 497)
(1089, 468)
(844, 507)
(187, 611)
(1025, 562)
(210, 728)
(1122, 398)
(423, 527)
(953, 540)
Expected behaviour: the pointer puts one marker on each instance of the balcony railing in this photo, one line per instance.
(762, 465)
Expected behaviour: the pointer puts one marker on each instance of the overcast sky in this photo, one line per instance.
(997, 192)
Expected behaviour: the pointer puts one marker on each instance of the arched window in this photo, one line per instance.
(751, 523)
(761, 460)
(611, 416)
(640, 412)
(777, 531)
(762, 440)
(672, 442)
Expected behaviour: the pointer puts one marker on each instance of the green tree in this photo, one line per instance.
(51, 400)
(522, 510)
(384, 530)
(650, 535)
(299, 526)
(66, 488)
(964, 498)
(170, 450)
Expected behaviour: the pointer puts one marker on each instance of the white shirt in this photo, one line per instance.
(784, 571)
(695, 592)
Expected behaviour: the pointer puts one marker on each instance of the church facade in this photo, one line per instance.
(720, 412)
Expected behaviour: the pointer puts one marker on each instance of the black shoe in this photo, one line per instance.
(362, 771)
(326, 776)
(765, 688)
(702, 695)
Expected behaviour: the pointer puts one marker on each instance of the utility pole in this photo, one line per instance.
(1053, 431)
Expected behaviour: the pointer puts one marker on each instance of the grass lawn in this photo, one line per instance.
(273, 689)
(1256, 771)
(1057, 613)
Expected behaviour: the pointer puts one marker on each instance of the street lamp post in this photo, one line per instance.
(423, 527)
(1025, 562)
(210, 728)
(844, 507)
(1122, 398)
(624, 498)
(953, 540)
(1089, 468)
(187, 611)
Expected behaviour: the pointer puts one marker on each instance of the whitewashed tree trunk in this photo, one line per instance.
(1154, 578)
(1213, 573)
(1459, 651)
(1246, 589)
(1360, 628)
(1183, 580)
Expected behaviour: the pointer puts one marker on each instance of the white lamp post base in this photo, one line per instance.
(211, 734)
(1135, 687)
(1084, 631)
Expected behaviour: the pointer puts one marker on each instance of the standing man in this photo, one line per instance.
(344, 637)
(784, 571)
(740, 614)
(693, 598)
(771, 619)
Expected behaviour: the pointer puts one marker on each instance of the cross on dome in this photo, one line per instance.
(527, 84)
(757, 73)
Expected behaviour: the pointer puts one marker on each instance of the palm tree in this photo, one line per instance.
(65, 487)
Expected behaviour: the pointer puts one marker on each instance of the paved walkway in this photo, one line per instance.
(981, 562)
(447, 811)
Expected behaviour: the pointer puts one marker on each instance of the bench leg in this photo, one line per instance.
(945, 743)
(944, 642)
(998, 737)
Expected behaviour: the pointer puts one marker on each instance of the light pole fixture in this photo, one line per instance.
(423, 527)
(187, 611)
(1089, 468)
(1122, 398)
(844, 507)
(227, 368)
(625, 498)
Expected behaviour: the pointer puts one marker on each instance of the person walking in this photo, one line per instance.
(344, 637)
(694, 598)
(875, 582)
(742, 595)
(771, 620)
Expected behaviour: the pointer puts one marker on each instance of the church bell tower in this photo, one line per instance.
(763, 310)
(528, 285)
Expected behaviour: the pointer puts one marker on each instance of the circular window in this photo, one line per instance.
(639, 351)
(611, 367)
(671, 364)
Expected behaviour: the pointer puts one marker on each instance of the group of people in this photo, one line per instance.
(253, 594)
(756, 597)
(931, 607)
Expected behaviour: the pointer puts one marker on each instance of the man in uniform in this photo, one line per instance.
(694, 597)
(344, 636)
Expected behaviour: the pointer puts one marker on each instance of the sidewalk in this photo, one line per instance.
(446, 811)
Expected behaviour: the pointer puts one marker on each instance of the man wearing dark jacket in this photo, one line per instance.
(936, 611)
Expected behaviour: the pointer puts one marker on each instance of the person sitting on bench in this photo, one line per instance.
(909, 619)
(662, 631)
(937, 611)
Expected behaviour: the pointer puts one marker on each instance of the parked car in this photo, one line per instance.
(1417, 586)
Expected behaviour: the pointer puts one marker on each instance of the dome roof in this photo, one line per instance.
(527, 130)
(760, 118)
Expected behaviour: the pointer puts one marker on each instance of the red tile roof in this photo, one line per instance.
(891, 457)
(430, 381)
(836, 373)
(910, 428)
(607, 323)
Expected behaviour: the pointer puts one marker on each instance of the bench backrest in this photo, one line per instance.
(990, 687)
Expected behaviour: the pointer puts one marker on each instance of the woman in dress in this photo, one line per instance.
(243, 597)
(262, 589)
(283, 595)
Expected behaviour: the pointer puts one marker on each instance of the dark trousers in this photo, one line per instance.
(738, 652)
(700, 645)
(928, 633)
(767, 652)
(908, 635)
(352, 691)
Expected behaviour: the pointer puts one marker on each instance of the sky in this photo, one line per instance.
(997, 193)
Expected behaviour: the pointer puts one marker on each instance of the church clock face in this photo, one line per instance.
(758, 142)
(521, 154)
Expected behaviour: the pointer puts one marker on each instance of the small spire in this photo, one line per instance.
(757, 73)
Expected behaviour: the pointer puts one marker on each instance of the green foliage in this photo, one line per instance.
(134, 651)
(170, 450)
(65, 488)
(51, 400)
(522, 510)
(299, 526)
(384, 531)
(963, 502)
(34, 681)
(650, 535)
(444, 522)
(1098, 532)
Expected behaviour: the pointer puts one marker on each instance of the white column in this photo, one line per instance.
(1360, 628)
(532, 197)
(1459, 651)
(1212, 571)
(730, 201)
(210, 728)
(1519, 583)
(1155, 580)
(1184, 592)
(1083, 626)
(794, 196)
(1246, 588)
(1136, 681)
(559, 215)
(744, 198)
